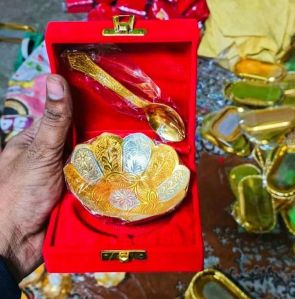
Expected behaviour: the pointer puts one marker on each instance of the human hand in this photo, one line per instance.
(31, 181)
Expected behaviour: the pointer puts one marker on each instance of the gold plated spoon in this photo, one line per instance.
(164, 120)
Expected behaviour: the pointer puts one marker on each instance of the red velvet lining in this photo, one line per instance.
(172, 66)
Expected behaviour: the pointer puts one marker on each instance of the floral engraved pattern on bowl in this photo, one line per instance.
(124, 199)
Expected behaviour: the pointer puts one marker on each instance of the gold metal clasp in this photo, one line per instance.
(13, 33)
(123, 26)
(123, 255)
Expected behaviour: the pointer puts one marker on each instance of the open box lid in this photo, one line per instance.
(77, 241)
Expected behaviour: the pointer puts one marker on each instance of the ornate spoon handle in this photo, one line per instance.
(83, 63)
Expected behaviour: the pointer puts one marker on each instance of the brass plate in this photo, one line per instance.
(289, 100)
(288, 84)
(238, 173)
(254, 209)
(263, 157)
(254, 94)
(226, 125)
(255, 69)
(205, 129)
(222, 129)
(290, 139)
(267, 126)
(281, 175)
(288, 216)
(211, 283)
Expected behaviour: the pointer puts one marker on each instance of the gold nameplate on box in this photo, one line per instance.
(124, 27)
(123, 255)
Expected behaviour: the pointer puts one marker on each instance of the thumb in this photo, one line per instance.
(57, 116)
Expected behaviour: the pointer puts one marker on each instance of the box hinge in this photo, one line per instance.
(124, 26)
(123, 255)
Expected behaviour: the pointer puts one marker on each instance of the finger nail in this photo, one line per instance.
(55, 88)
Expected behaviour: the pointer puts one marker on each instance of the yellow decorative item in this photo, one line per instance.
(53, 286)
(254, 210)
(108, 280)
(129, 178)
(263, 157)
(33, 278)
(288, 215)
(56, 286)
(163, 119)
(268, 126)
(210, 284)
(254, 93)
(238, 173)
(263, 32)
(222, 128)
(280, 177)
(255, 69)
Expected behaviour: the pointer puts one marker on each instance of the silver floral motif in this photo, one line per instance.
(124, 199)
(174, 184)
(85, 163)
(137, 149)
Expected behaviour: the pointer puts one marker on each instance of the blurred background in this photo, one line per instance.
(34, 13)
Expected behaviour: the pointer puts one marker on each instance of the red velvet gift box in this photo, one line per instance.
(78, 6)
(77, 241)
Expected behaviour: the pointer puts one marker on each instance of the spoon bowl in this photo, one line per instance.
(163, 119)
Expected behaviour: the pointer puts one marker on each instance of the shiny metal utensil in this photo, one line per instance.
(238, 173)
(254, 210)
(164, 120)
(212, 283)
(14, 33)
(267, 127)
(254, 93)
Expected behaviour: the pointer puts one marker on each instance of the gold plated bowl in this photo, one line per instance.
(129, 178)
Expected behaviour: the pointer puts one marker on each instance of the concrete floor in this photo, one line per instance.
(31, 12)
